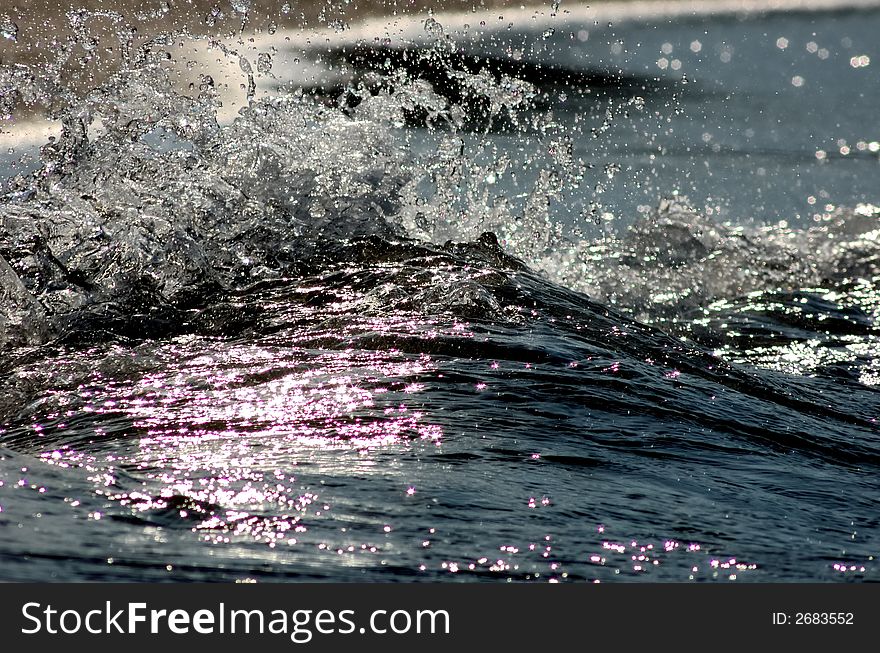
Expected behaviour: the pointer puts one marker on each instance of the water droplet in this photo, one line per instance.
(213, 16)
(206, 83)
(241, 6)
(433, 28)
(8, 29)
(264, 63)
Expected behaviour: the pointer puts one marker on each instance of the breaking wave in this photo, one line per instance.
(281, 335)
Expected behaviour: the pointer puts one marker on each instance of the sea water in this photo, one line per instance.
(548, 296)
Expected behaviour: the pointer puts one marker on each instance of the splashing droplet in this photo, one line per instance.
(337, 25)
(433, 28)
(213, 16)
(241, 6)
(264, 63)
(8, 29)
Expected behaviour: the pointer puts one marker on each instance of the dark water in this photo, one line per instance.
(566, 323)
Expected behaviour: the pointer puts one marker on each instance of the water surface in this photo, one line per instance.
(556, 300)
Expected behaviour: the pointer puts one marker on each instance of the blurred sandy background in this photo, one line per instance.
(78, 43)
(44, 20)
(36, 31)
